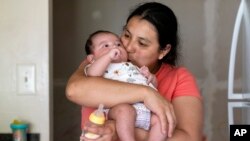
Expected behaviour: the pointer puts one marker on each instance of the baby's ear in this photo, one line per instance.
(90, 58)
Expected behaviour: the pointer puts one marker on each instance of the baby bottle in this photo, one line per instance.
(98, 118)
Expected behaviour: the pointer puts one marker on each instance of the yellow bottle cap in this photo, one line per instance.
(97, 119)
(97, 116)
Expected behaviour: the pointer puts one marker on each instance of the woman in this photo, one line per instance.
(150, 37)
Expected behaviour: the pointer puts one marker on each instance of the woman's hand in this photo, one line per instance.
(163, 109)
(106, 132)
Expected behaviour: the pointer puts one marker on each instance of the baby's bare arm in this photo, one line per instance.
(99, 65)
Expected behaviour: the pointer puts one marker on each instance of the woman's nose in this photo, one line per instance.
(129, 47)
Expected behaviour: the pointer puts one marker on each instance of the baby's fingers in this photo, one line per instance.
(150, 79)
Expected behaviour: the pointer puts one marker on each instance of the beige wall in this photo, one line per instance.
(24, 39)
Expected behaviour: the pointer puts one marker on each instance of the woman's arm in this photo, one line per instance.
(189, 114)
(91, 91)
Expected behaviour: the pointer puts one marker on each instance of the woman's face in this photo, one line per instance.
(140, 39)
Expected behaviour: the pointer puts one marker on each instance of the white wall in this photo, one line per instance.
(24, 39)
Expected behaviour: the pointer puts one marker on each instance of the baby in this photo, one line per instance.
(109, 58)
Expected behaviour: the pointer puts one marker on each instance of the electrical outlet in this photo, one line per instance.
(26, 79)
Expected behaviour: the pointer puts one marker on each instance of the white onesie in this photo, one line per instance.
(127, 72)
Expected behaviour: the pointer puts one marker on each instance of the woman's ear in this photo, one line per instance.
(164, 51)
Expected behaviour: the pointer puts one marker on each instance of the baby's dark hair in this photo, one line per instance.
(89, 42)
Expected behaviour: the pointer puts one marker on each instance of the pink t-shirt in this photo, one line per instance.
(172, 82)
(176, 81)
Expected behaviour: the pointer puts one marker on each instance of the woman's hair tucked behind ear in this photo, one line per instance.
(165, 22)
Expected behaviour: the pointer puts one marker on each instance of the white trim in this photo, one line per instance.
(231, 94)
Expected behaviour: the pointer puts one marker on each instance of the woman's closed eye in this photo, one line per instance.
(126, 35)
(142, 44)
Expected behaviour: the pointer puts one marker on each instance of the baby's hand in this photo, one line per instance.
(145, 72)
(150, 77)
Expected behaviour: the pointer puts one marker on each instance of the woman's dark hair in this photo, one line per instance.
(89, 43)
(165, 22)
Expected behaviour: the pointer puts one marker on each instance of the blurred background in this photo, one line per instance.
(50, 35)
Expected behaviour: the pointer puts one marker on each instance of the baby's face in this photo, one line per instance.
(104, 42)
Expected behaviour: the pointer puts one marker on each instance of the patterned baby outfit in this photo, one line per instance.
(127, 72)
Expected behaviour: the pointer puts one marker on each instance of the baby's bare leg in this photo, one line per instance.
(155, 133)
(124, 115)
